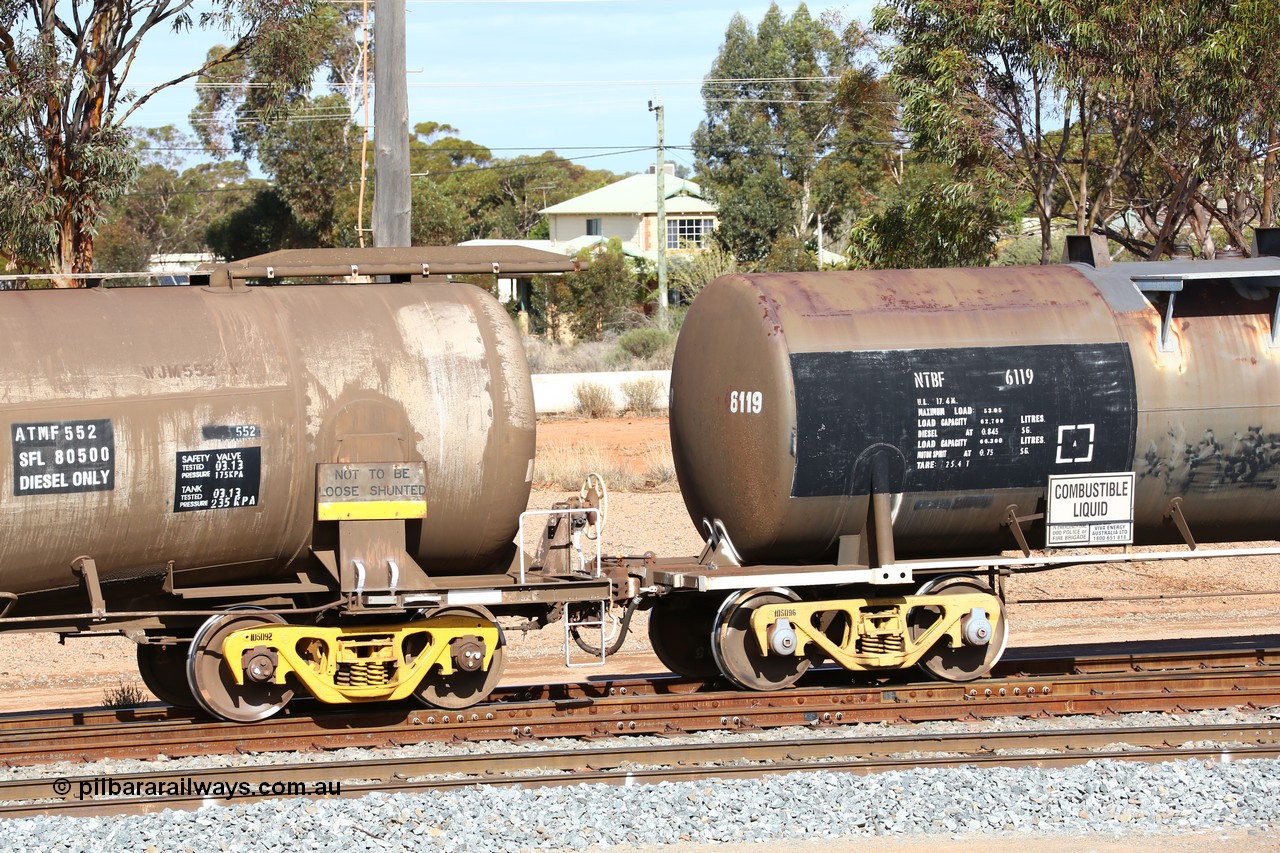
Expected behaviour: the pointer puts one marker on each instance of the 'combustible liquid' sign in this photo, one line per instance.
(1090, 509)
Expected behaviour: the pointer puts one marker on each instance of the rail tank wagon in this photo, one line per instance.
(138, 416)
(959, 392)
(172, 453)
(842, 436)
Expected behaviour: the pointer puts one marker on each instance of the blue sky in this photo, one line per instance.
(525, 76)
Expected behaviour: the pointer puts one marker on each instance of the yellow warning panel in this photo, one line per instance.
(371, 491)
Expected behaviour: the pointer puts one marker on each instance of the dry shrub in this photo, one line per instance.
(123, 696)
(660, 470)
(593, 400)
(642, 395)
(565, 468)
(596, 356)
(583, 357)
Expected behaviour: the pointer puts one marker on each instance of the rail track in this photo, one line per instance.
(1098, 679)
(1032, 682)
(620, 763)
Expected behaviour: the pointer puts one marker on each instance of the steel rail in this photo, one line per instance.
(629, 764)
(1178, 680)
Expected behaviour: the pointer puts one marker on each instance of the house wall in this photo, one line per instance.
(641, 230)
(650, 228)
(566, 227)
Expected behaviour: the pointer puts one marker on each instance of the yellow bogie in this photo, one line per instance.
(357, 664)
(878, 633)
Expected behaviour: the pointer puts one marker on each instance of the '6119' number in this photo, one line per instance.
(746, 402)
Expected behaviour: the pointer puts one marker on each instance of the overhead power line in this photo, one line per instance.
(526, 83)
(767, 101)
(487, 2)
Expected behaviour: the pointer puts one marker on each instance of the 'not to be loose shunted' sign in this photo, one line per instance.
(371, 491)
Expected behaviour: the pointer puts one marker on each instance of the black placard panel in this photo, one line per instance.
(230, 432)
(63, 457)
(962, 419)
(217, 479)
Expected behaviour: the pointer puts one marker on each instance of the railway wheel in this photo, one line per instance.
(164, 671)
(211, 681)
(680, 628)
(737, 652)
(465, 687)
(968, 661)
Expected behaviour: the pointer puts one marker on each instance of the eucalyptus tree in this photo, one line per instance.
(65, 153)
(169, 205)
(796, 130)
(1129, 118)
(1186, 99)
(979, 92)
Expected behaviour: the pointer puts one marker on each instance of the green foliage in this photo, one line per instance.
(795, 124)
(435, 218)
(310, 152)
(65, 98)
(787, 254)
(248, 89)
(58, 173)
(1136, 119)
(1021, 250)
(644, 342)
(943, 225)
(603, 296)
(435, 150)
(169, 207)
(462, 192)
(593, 400)
(504, 198)
(121, 247)
(691, 272)
(753, 213)
(264, 225)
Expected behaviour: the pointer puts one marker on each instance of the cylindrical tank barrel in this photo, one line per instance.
(961, 391)
(185, 424)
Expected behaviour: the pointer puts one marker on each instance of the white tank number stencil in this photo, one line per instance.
(746, 402)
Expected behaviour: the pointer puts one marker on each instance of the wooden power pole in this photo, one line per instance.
(391, 197)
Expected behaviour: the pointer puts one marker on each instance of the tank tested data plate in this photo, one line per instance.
(224, 478)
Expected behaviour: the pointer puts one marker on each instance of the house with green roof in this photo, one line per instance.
(628, 209)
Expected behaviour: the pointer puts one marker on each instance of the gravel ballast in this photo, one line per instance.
(1103, 797)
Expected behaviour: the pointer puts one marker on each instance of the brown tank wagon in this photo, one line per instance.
(965, 390)
(839, 434)
(316, 487)
(173, 451)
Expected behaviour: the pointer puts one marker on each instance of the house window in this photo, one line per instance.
(688, 233)
(593, 227)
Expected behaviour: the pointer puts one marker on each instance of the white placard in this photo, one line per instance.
(1089, 509)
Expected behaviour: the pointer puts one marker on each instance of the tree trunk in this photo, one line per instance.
(1046, 237)
(1268, 178)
